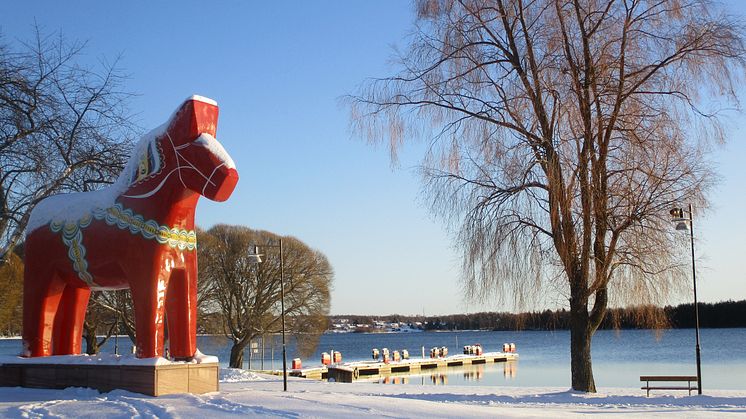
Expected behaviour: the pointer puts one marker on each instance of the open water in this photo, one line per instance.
(619, 357)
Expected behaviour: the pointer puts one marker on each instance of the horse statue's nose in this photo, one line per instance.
(224, 187)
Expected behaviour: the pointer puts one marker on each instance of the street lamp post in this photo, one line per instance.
(256, 258)
(116, 337)
(678, 217)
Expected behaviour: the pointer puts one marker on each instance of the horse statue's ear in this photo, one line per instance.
(197, 115)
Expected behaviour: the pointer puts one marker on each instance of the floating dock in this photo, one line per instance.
(348, 372)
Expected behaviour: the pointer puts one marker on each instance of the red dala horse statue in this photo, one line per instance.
(137, 233)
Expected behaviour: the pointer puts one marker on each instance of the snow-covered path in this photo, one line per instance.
(244, 394)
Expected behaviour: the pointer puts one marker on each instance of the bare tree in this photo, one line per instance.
(247, 295)
(109, 313)
(561, 133)
(99, 318)
(11, 284)
(63, 127)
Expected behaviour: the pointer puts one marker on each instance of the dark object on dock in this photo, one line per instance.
(668, 378)
(475, 349)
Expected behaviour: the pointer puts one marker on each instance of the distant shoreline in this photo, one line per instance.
(721, 315)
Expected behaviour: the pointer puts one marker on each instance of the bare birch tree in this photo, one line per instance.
(63, 127)
(561, 133)
(248, 295)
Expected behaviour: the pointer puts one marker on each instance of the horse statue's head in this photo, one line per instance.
(186, 149)
(203, 164)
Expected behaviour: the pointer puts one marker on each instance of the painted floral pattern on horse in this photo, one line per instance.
(124, 219)
(73, 239)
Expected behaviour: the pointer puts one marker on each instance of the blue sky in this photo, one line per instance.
(277, 70)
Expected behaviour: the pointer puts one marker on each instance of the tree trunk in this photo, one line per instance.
(129, 328)
(581, 334)
(91, 343)
(236, 360)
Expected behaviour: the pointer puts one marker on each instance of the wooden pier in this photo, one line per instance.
(351, 371)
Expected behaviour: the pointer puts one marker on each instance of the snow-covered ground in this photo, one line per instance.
(243, 393)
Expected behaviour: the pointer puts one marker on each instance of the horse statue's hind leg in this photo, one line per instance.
(42, 291)
(68, 323)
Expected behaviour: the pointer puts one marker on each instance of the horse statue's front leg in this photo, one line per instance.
(181, 310)
(148, 288)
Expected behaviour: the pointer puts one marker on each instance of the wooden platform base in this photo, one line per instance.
(153, 380)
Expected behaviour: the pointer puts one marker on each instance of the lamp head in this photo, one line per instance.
(681, 226)
(677, 216)
(255, 257)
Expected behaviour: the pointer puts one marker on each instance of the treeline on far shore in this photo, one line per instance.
(724, 314)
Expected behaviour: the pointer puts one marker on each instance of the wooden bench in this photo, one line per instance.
(668, 379)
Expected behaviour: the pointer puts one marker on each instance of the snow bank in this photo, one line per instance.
(314, 399)
(235, 375)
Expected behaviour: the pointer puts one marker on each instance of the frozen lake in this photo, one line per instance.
(619, 357)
